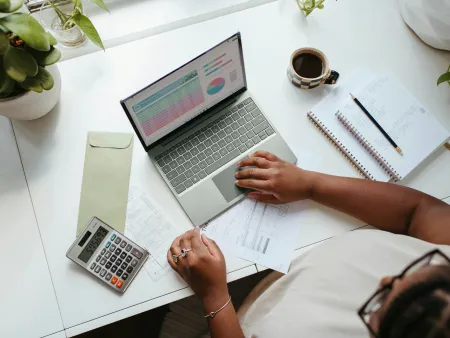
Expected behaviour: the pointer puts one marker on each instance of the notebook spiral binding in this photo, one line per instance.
(339, 146)
(363, 141)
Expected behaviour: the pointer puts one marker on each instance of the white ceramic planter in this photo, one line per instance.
(429, 19)
(32, 105)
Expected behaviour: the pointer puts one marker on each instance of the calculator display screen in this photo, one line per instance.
(93, 244)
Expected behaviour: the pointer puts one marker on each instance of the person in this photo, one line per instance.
(389, 282)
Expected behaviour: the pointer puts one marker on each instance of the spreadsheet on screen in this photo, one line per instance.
(187, 92)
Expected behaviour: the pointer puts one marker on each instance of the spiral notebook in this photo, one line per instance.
(400, 114)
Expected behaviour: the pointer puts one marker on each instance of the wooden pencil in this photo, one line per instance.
(371, 118)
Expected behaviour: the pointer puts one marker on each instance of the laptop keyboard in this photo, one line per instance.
(212, 147)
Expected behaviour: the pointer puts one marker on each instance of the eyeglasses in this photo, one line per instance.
(376, 301)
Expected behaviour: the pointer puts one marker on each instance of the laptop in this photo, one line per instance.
(197, 122)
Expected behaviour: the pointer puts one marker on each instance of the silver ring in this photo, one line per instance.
(184, 252)
(175, 258)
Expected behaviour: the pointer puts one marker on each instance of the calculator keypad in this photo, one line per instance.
(117, 261)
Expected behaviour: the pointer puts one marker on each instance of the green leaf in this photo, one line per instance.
(9, 6)
(19, 64)
(4, 43)
(101, 4)
(443, 78)
(4, 5)
(78, 3)
(88, 28)
(6, 84)
(51, 39)
(28, 29)
(46, 58)
(31, 84)
(321, 6)
(44, 78)
(62, 17)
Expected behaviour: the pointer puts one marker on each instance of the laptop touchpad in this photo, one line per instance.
(225, 183)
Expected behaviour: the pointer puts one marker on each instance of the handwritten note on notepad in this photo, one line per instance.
(402, 116)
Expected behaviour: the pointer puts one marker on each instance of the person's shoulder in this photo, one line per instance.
(375, 240)
(370, 244)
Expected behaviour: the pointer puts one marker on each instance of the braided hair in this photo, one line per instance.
(422, 311)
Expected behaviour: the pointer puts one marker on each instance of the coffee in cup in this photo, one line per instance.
(309, 68)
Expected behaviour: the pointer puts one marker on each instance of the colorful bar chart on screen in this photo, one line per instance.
(169, 103)
(210, 71)
(216, 64)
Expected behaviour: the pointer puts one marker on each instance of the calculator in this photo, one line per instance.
(108, 255)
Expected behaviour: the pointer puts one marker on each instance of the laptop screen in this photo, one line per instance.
(187, 92)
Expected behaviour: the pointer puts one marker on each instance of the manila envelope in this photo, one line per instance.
(106, 177)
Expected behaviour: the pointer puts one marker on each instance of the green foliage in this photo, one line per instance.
(444, 77)
(29, 30)
(88, 28)
(307, 6)
(19, 64)
(77, 18)
(25, 49)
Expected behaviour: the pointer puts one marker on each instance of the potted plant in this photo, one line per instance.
(30, 83)
(65, 19)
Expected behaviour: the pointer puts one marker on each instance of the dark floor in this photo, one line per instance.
(148, 324)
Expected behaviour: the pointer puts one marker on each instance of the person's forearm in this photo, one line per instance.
(387, 206)
(225, 324)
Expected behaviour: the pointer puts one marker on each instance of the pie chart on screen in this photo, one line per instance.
(216, 86)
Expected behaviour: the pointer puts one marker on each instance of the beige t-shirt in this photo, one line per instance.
(325, 287)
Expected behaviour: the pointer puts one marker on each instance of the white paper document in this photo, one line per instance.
(151, 266)
(261, 233)
(148, 227)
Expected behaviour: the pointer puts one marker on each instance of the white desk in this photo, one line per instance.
(132, 20)
(52, 148)
(28, 306)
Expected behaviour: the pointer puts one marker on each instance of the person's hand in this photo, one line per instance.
(203, 268)
(274, 180)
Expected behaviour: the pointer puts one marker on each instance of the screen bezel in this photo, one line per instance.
(193, 121)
